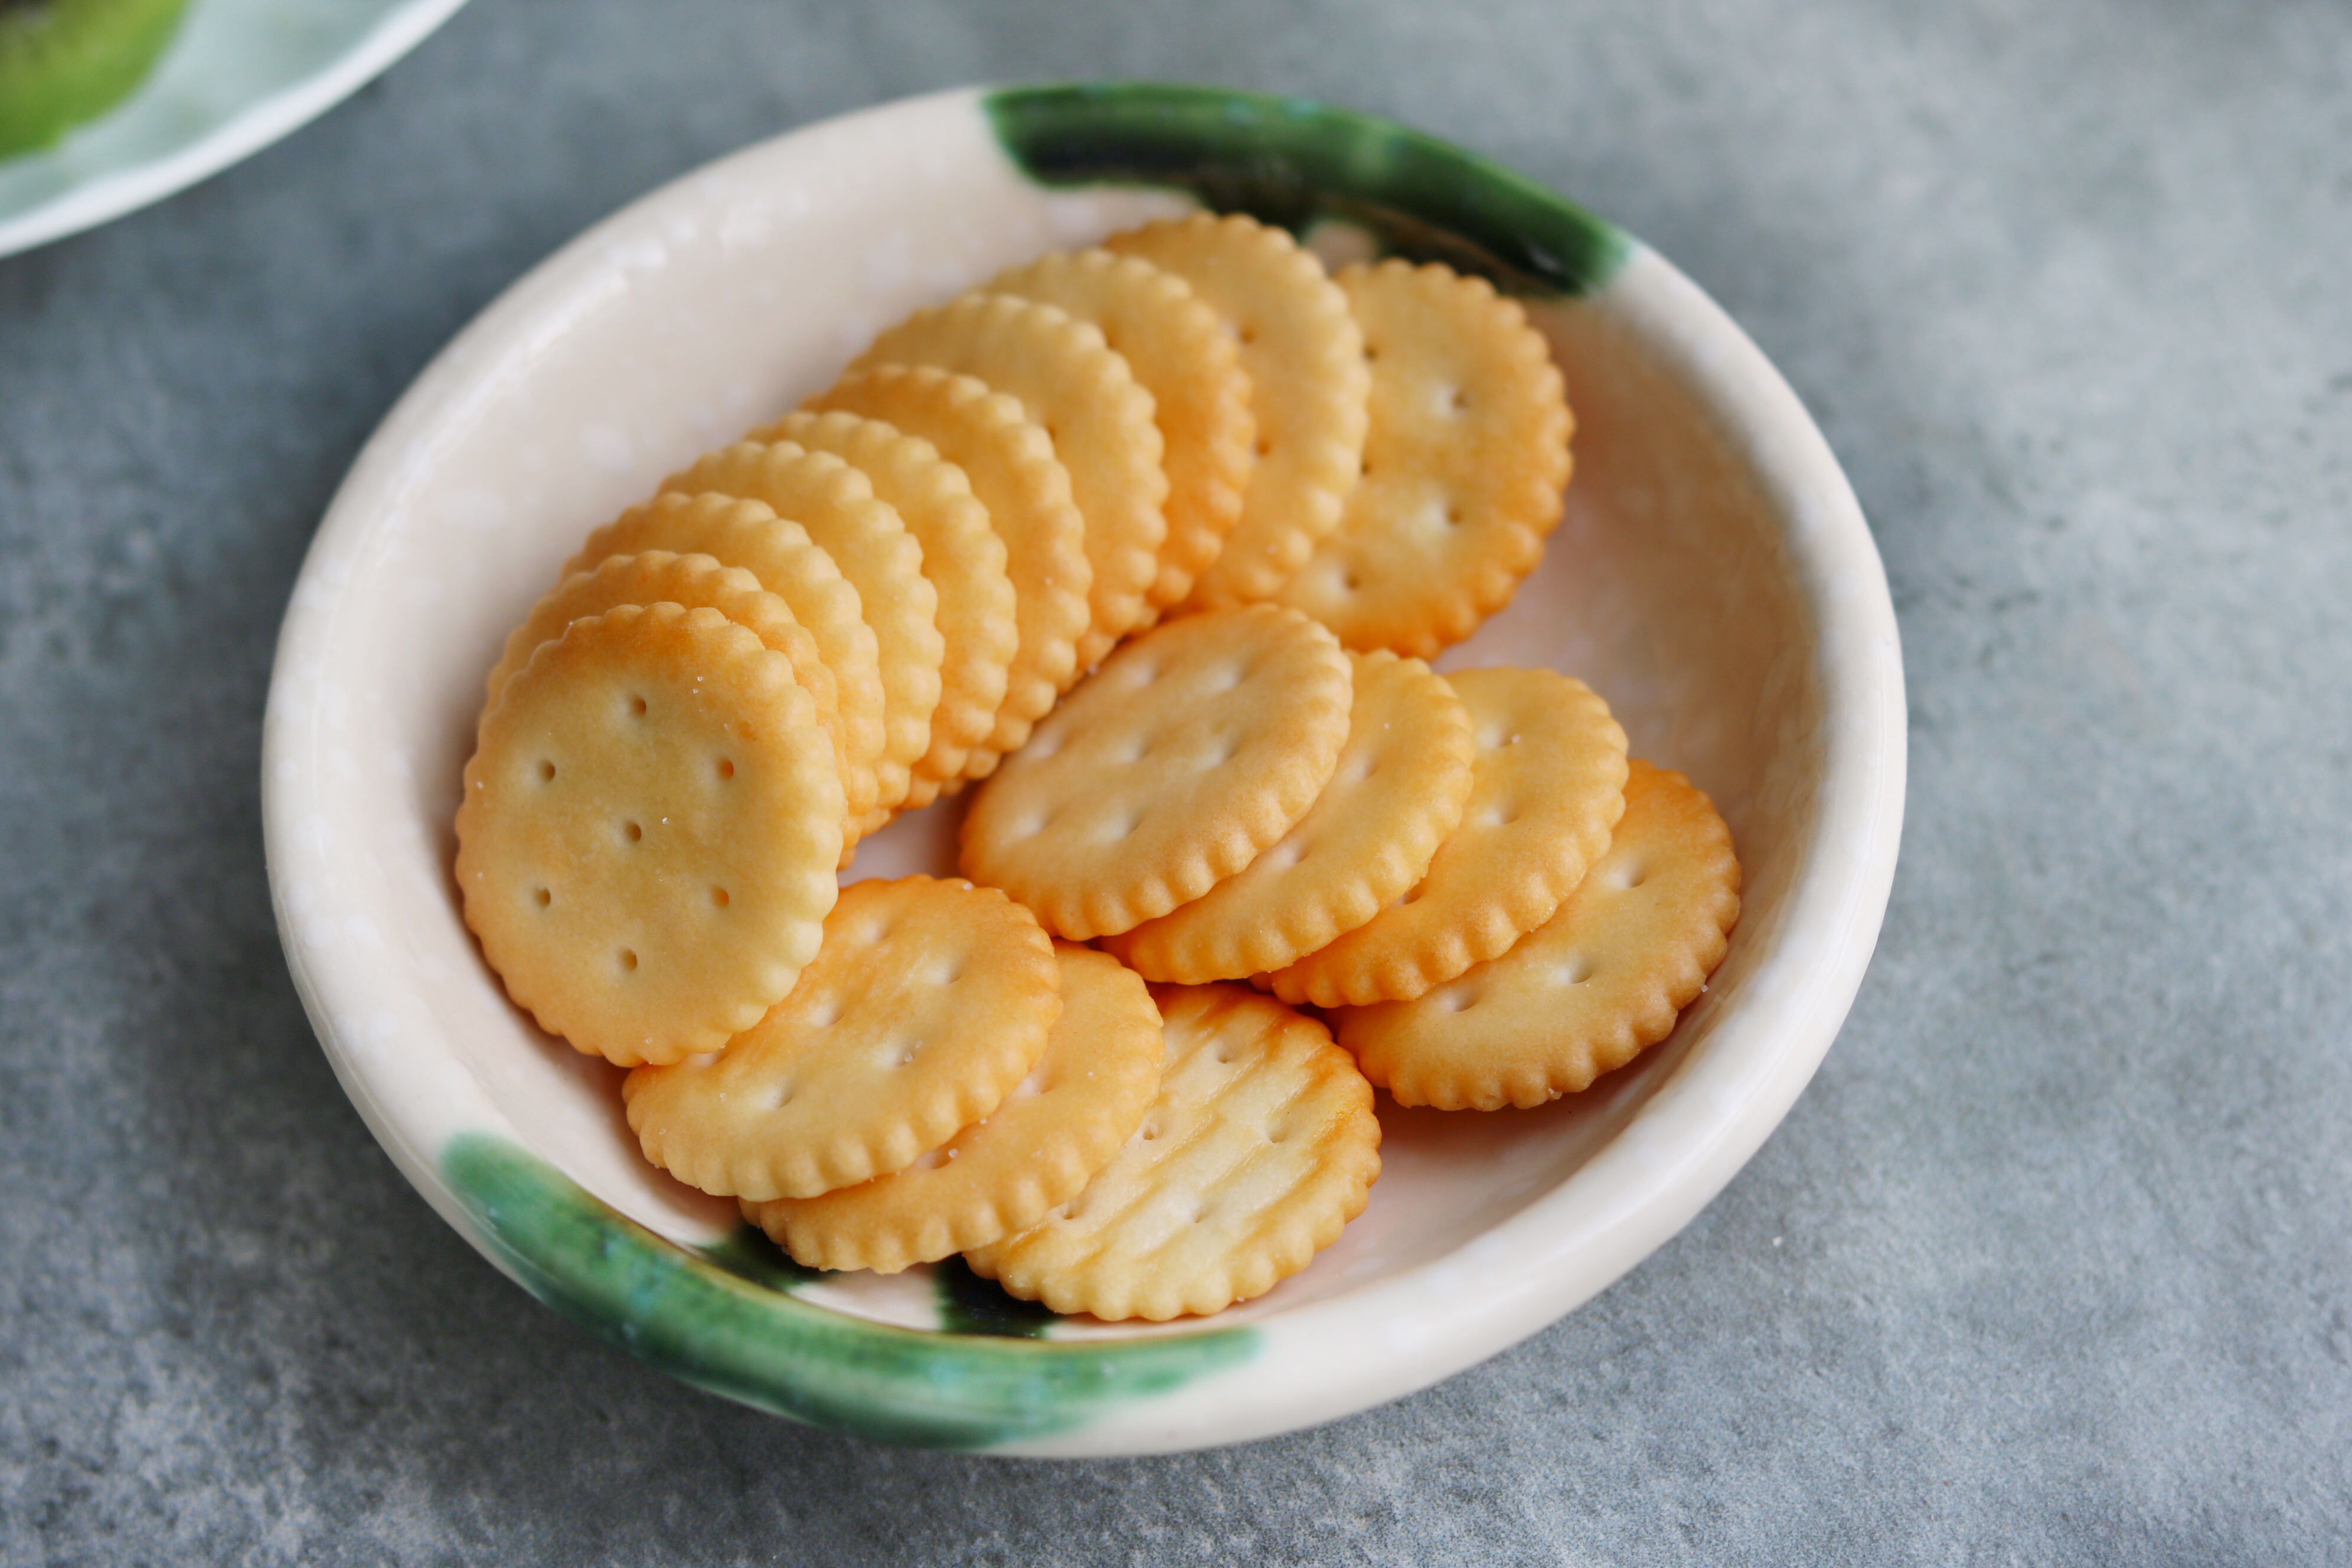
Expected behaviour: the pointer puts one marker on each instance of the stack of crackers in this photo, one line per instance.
(1145, 547)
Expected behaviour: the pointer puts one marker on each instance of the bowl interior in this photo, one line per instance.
(720, 302)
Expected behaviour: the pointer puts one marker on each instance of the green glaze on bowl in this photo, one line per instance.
(967, 1304)
(748, 1254)
(972, 1305)
(726, 1322)
(1297, 164)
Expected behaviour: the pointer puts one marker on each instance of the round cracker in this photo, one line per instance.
(868, 541)
(1397, 792)
(929, 1001)
(691, 582)
(1464, 464)
(1099, 419)
(1548, 785)
(1010, 463)
(1587, 991)
(648, 835)
(1059, 1126)
(1304, 356)
(1194, 748)
(1180, 352)
(789, 564)
(964, 560)
(1260, 1146)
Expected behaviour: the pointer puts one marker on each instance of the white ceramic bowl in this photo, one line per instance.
(1714, 579)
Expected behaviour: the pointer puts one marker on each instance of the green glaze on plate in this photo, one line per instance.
(970, 1305)
(721, 1321)
(748, 1254)
(1296, 163)
(967, 1304)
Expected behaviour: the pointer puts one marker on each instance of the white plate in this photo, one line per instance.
(1714, 579)
(241, 74)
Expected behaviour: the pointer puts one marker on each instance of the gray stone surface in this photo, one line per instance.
(2053, 1261)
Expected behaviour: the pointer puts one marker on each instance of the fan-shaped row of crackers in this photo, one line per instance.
(1153, 540)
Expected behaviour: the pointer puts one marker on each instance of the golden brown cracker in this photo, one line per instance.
(1098, 418)
(648, 835)
(1398, 790)
(1260, 1146)
(928, 1002)
(1181, 353)
(1303, 354)
(788, 563)
(1194, 747)
(1464, 464)
(999, 1176)
(691, 582)
(965, 561)
(1010, 463)
(1587, 991)
(869, 543)
(1548, 786)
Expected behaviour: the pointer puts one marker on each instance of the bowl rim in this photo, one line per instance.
(1694, 1135)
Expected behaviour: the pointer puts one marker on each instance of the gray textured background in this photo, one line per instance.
(2053, 1261)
